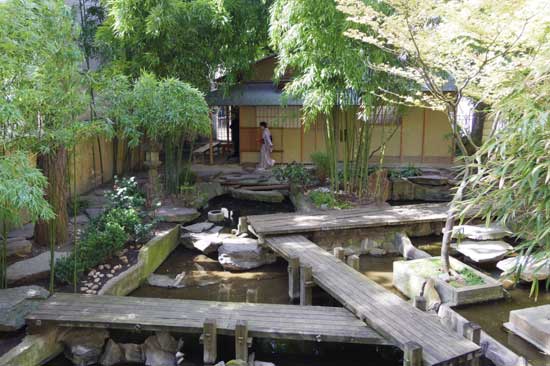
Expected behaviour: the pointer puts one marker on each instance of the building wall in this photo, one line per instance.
(422, 138)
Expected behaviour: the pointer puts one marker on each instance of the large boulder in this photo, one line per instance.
(532, 268)
(25, 232)
(241, 254)
(481, 232)
(84, 346)
(117, 353)
(199, 227)
(205, 242)
(16, 303)
(430, 180)
(19, 247)
(484, 251)
(160, 350)
(31, 269)
(261, 196)
(180, 215)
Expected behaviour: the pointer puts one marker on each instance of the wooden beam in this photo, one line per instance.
(353, 261)
(339, 253)
(419, 302)
(294, 278)
(210, 342)
(241, 340)
(306, 285)
(412, 354)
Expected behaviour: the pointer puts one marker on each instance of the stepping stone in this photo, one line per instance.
(94, 212)
(26, 232)
(215, 230)
(19, 246)
(241, 254)
(533, 325)
(480, 232)
(199, 227)
(261, 196)
(180, 215)
(33, 268)
(16, 303)
(484, 251)
(532, 268)
(430, 180)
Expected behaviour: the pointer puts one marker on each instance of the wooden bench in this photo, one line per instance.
(204, 149)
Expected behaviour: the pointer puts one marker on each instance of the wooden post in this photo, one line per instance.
(472, 332)
(419, 302)
(412, 354)
(339, 253)
(242, 227)
(210, 341)
(211, 148)
(294, 278)
(241, 340)
(353, 262)
(252, 296)
(306, 285)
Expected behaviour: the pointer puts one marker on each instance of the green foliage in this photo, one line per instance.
(409, 171)
(293, 173)
(76, 208)
(121, 222)
(40, 73)
(21, 189)
(187, 39)
(125, 194)
(322, 165)
(190, 196)
(510, 184)
(469, 277)
(328, 200)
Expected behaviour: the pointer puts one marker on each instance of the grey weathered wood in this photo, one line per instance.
(419, 302)
(210, 342)
(252, 295)
(339, 253)
(309, 323)
(353, 261)
(472, 332)
(294, 278)
(412, 354)
(364, 217)
(306, 285)
(241, 340)
(387, 313)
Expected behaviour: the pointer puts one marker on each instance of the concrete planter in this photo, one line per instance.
(150, 257)
(408, 277)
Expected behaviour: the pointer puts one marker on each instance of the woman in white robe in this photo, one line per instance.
(267, 148)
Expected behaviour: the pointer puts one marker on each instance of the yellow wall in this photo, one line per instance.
(421, 138)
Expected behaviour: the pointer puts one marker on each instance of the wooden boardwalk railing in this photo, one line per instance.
(311, 323)
(395, 319)
(357, 218)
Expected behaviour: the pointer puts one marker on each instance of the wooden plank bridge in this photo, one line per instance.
(356, 218)
(382, 310)
(311, 323)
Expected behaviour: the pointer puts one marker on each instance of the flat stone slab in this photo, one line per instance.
(430, 180)
(26, 231)
(18, 246)
(261, 196)
(532, 268)
(199, 227)
(533, 325)
(94, 212)
(484, 251)
(180, 215)
(16, 303)
(241, 254)
(480, 232)
(32, 268)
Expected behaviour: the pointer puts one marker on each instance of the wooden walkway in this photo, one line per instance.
(312, 323)
(357, 218)
(385, 312)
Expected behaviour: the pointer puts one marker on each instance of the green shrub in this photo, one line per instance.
(187, 176)
(328, 199)
(409, 171)
(125, 194)
(322, 165)
(292, 173)
(108, 233)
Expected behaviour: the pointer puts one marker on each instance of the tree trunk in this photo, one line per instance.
(54, 168)
(480, 115)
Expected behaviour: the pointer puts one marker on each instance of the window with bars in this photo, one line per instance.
(279, 117)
